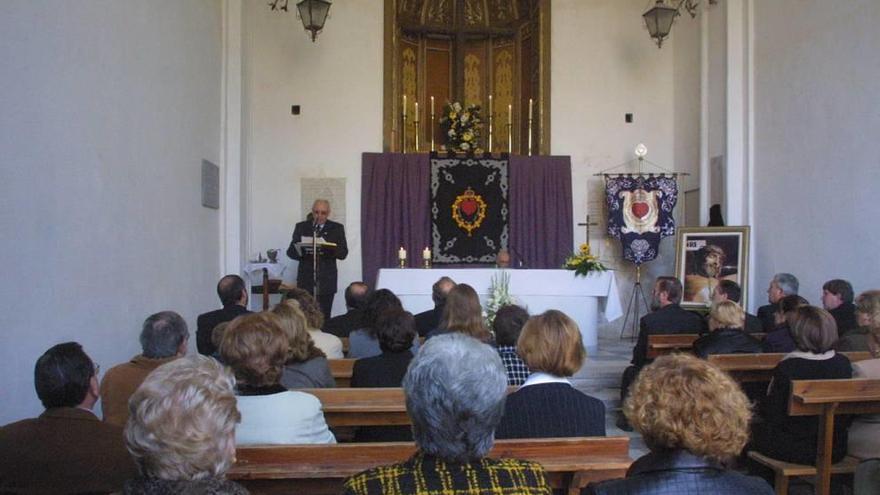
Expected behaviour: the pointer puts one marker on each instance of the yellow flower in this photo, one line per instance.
(585, 248)
(453, 115)
(467, 136)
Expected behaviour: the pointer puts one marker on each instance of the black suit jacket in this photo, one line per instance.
(670, 319)
(343, 325)
(551, 410)
(679, 472)
(333, 232)
(845, 317)
(428, 320)
(384, 370)
(767, 315)
(207, 321)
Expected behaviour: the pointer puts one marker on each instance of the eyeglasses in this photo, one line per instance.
(320, 212)
(97, 368)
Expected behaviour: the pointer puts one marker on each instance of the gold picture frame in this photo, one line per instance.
(706, 255)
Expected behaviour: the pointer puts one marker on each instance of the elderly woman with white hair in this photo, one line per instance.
(181, 429)
(455, 389)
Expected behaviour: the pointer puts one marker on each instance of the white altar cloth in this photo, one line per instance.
(537, 290)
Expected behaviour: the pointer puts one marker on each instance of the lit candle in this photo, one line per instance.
(530, 109)
(509, 113)
(417, 111)
(426, 254)
(401, 253)
(490, 105)
(404, 105)
(432, 106)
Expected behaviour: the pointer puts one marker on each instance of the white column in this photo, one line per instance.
(231, 143)
(738, 105)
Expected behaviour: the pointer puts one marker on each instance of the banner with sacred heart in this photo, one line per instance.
(640, 213)
(469, 212)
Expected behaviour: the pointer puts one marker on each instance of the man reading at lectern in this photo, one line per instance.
(331, 232)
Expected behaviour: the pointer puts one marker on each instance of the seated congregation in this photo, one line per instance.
(172, 423)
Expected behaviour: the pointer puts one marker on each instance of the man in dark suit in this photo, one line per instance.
(782, 284)
(234, 296)
(728, 290)
(67, 449)
(427, 321)
(837, 299)
(330, 231)
(666, 317)
(355, 299)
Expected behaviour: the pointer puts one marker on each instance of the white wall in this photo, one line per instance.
(603, 66)
(816, 128)
(338, 83)
(108, 109)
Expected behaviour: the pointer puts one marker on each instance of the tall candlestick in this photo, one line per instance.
(418, 129)
(530, 109)
(404, 104)
(403, 127)
(510, 128)
(510, 114)
(432, 106)
(432, 124)
(529, 151)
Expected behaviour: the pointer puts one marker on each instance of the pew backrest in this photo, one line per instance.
(759, 367)
(341, 370)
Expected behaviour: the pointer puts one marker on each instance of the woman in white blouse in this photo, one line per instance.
(256, 349)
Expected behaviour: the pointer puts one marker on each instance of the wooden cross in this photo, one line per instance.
(587, 224)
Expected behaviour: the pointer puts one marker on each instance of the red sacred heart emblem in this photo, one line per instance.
(469, 207)
(640, 209)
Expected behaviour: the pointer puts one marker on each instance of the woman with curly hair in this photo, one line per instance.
(328, 343)
(864, 434)
(463, 314)
(256, 349)
(306, 365)
(181, 429)
(695, 420)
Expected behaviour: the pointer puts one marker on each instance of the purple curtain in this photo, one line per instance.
(541, 226)
(394, 210)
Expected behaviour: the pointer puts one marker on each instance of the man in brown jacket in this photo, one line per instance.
(164, 337)
(67, 449)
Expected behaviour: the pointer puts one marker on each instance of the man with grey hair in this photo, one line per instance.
(332, 232)
(455, 389)
(164, 337)
(782, 284)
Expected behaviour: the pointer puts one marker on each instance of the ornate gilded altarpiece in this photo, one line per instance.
(466, 50)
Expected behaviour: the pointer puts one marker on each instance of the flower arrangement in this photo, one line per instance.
(461, 126)
(583, 262)
(499, 295)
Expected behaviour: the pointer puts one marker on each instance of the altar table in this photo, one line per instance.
(537, 290)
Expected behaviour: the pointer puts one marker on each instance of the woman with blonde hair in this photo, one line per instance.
(726, 322)
(181, 429)
(256, 349)
(864, 433)
(547, 405)
(695, 420)
(306, 365)
(330, 344)
(463, 314)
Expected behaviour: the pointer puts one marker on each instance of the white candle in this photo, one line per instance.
(530, 109)
(426, 254)
(490, 105)
(510, 114)
(401, 253)
(417, 111)
(432, 106)
(404, 105)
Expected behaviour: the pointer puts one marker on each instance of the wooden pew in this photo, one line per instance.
(658, 345)
(346, 345)
(824, 398)
(341, 370)
(570, 463)
(746, 368)
(362, 406)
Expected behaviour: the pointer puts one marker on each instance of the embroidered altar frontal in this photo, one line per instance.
(469, 211)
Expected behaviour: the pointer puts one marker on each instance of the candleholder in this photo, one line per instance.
(530, 137)
(490, 132)
(432, 130)
(402, 263)
(416, 122)
(510, 138)
(403, 134)
(427, 264)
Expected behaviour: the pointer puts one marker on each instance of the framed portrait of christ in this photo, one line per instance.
(704, 256)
